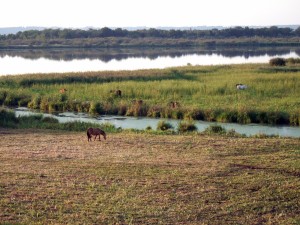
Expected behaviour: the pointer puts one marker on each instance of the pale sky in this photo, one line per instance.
(149, 13)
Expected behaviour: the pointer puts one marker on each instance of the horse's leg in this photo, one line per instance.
(95, 138)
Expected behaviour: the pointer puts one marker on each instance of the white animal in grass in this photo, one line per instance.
(241, 86)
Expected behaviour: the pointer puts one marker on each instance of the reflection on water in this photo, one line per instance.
(143, 123)
(106, 55)
(78, 60)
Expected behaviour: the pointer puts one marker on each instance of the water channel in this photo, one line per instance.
(142, 123)
(25, 61)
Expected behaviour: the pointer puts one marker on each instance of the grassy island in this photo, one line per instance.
(193, 92)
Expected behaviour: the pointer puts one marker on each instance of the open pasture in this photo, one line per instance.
(51, 177)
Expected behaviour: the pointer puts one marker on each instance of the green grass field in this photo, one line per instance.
(202, 92)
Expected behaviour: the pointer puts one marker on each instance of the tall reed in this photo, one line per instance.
(200, 92)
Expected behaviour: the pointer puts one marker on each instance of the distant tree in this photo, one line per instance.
(297, 31)
(277, 62)
(106, 32)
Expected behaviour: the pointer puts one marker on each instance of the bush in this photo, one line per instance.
(227, 117)
(163, 125)
(194, 114)
(277, 62)
(293, 61)
(148, 128)
(215, 129)
(49, 120)
(95, 108)
(187, 126)
(7, 118)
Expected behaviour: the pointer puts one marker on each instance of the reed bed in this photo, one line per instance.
(198, 92)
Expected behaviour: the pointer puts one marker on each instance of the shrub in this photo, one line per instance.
(163, 125)
(7, 118)
(232, 133)
(186, 126)
(194, 114)
(215, 129)
(293, 61)
(148, 128)
(95, 108)
(227, 117)
(49, 120)
(277, 118)
(277, 62)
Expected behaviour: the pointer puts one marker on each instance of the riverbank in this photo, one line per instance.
(36, 119)
(58, 177)
(206, 93)
(104, 43)
(148, 42)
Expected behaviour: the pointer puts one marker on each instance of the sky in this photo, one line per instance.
(148, 13)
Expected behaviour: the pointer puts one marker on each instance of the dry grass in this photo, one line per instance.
(51, 177)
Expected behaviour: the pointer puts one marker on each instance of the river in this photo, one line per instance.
(142, 123)
(14, 62)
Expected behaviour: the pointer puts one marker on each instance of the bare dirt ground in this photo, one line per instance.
(51, 177)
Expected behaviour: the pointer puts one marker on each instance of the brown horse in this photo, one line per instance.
(95, 132)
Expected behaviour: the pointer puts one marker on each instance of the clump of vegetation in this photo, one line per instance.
(163, 125)
(35, 102)
(277, 62)
(293, 61)
(186, 126)
(7, 118)
(38, 121)
(95, 108)
(148, 128)
(215, 129)
(204, 92)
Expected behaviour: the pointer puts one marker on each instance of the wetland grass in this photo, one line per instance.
(202, 92)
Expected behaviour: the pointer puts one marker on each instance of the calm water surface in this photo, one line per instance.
(142, 123)
(80, 60)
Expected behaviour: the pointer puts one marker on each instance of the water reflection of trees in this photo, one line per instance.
(107, 55)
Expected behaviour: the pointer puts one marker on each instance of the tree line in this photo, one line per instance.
(234, 32)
